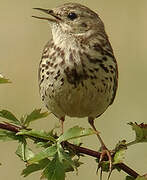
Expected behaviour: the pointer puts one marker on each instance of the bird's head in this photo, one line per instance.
(72, 18)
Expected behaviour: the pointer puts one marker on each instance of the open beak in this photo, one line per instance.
(47, 11)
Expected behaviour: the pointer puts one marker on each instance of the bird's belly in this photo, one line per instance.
(80, 101)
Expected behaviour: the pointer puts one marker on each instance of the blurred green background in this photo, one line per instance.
(21, 42)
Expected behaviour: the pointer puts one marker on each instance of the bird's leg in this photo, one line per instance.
(105, 151)
(62, 124)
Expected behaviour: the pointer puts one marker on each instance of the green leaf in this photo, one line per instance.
(69, 168)
(119, 156)
(65, 157)
(42, 144)
(11, 117)
(130, 178)
(75, 132)
(24, 152)
(35, 115)
(46, 144)
(3, 80)
(48, 152)
(140, 131)
(55, 170)
(120, 150)
(37, 134)
(35, 167)
(77, 141)
(105, 166)
(8, 135)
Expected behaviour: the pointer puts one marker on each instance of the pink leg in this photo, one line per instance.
(62, 119)
(105, 151)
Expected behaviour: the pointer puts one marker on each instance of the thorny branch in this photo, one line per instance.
(78, 149)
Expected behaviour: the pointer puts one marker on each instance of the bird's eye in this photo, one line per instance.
(72, 16)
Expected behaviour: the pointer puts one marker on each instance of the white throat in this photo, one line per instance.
(62, 39)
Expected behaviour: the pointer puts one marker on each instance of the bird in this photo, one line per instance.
(78, 73)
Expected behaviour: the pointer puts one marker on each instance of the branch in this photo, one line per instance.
(9, 127)
(78, 149)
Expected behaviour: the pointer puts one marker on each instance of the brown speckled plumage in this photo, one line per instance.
(78, 73)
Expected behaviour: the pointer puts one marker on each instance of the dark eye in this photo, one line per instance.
(72, 16)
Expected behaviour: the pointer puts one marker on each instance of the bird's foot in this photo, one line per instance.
(105, 158)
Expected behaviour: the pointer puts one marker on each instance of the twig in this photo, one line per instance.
(9, 127)
(78, 149)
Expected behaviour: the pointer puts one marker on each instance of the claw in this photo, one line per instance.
(105, 152)
(109, 174)
(101, 173)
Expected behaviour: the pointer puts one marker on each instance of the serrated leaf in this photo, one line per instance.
(35, 167)
(11, 117)
(8, 135)
(54, 170)
(42, 144)
(4, 80)
(24, 152)
(69, 168)
(120, 152)
(48, 152)
(35, 115)
(46, 144)
(119, 156)
(75, 132)
(77, 141)
(65, 157)
(140, 131)
(37, 134)
(130, 178)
